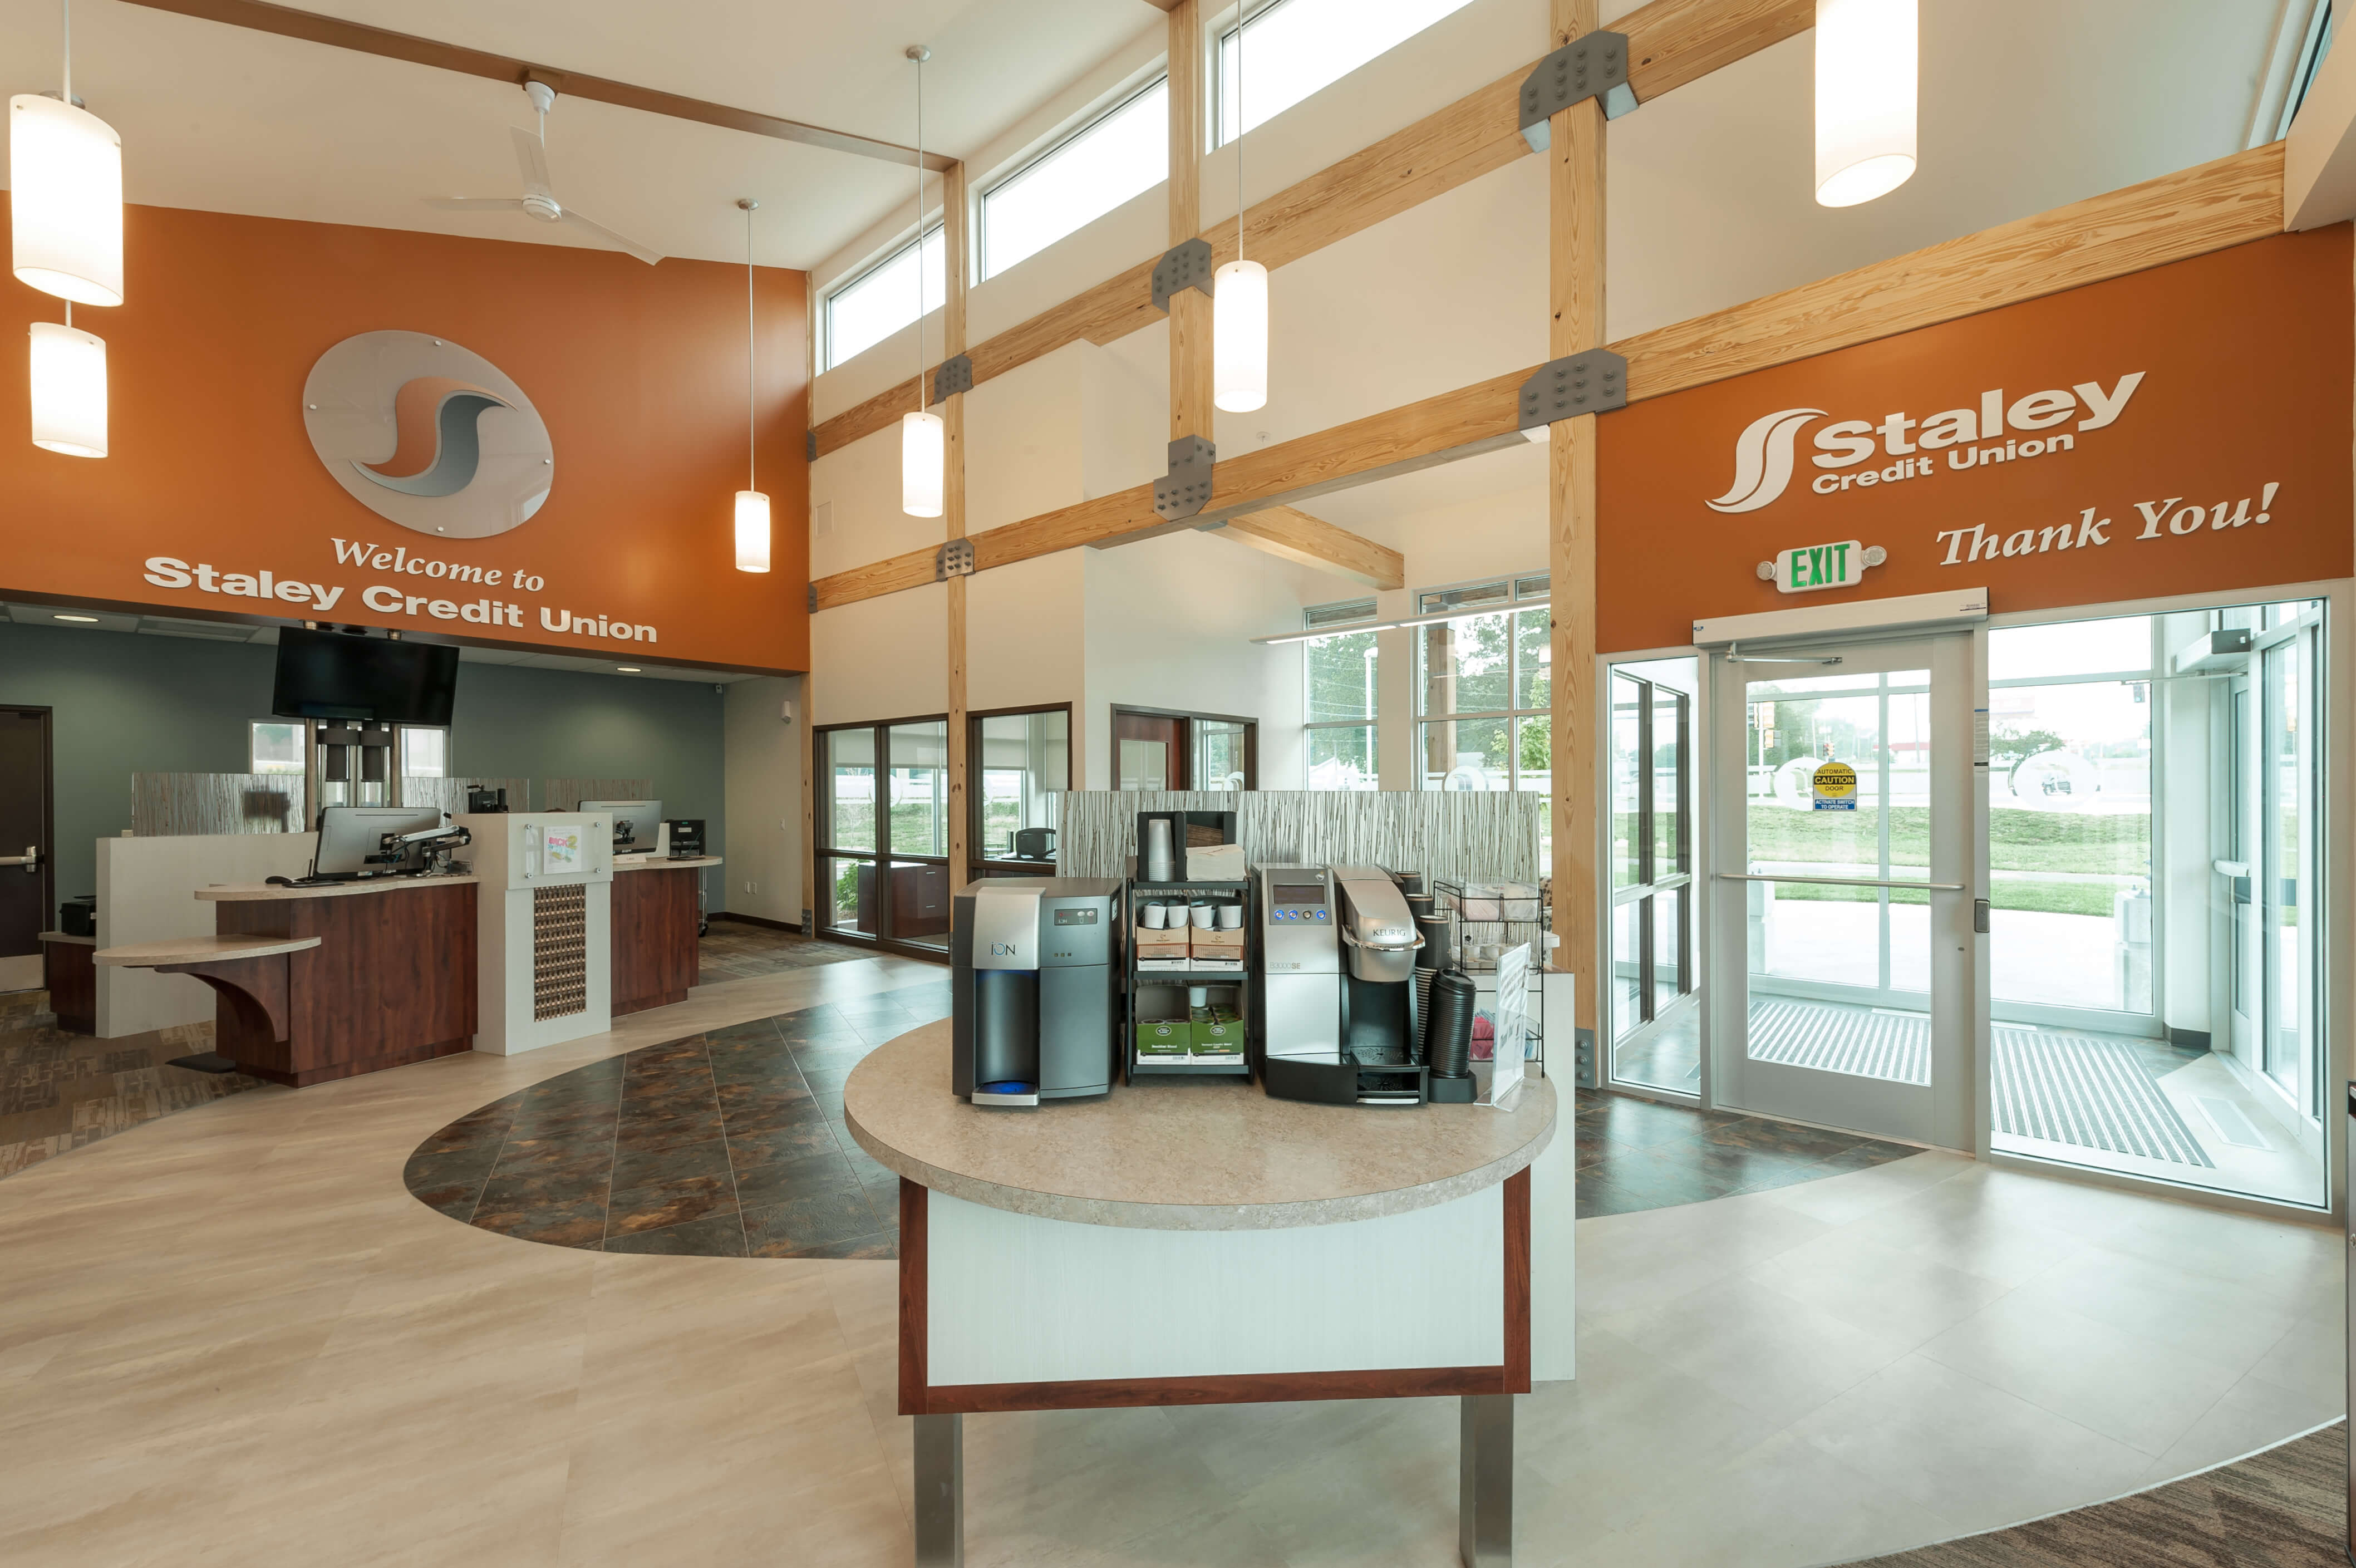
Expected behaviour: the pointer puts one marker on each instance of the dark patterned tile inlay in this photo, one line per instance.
(731, 1144)
(725, 1145)
(1637, 1153)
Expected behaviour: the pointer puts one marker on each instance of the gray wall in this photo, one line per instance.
(127, 705)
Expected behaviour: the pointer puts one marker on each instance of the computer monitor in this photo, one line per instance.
(638, 824)
(349, 835)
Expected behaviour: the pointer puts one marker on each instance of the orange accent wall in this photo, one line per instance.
(637, 372)
(2249, 369)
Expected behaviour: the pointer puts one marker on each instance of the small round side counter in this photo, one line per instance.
(1201, 1243)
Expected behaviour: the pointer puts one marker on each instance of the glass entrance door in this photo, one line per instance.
(1843, 826)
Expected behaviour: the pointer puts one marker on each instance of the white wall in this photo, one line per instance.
(763, 849)
(1169, 624)
(1712, 204)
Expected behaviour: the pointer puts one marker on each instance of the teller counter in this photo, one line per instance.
(657, 916)
(314, 983)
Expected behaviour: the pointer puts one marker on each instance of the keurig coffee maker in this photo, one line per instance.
(1337, 1002)
(1034, 1015)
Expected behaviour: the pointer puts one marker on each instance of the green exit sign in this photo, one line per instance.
(1812, 567)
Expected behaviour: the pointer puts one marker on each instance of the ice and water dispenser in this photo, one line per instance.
(1033, 1008)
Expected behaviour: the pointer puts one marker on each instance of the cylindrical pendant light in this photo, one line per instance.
(923, 440)
(65, 193)
(1239, 337)
(752, 506)
(751, 532)
(924, 453)
(1240, 299)
(69, 385)
(1866, 68)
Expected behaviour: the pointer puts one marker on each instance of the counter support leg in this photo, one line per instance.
(1484, 1497)
(940, 1491)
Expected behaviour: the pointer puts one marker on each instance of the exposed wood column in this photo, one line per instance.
(1190, 308)
(1575, 292)
(953, 268)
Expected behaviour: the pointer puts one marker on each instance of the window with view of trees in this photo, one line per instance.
(1340, 702)
(1483, 696)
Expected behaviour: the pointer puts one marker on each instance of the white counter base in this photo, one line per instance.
(1017, 1299)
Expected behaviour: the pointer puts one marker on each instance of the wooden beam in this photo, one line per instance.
(1672, 42)
(2228, 202)
(953, 251)
(1575, 323)
(312, 28)
(1460, 423)
(1291, 534)
(1190, 308)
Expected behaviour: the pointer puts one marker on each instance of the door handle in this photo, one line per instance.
(30, 860)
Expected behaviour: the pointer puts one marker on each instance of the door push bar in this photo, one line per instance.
(1851, 882)
(30, 860)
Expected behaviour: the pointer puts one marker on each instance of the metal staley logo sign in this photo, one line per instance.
(428, 434)
(1995, 430)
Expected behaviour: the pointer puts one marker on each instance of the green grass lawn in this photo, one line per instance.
(2038, 897)
(2018, 840)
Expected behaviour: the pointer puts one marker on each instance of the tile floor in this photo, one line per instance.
(1637, 1153)
(233, 1336)
(723, 1145)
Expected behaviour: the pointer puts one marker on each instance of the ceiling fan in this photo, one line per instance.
(538, 201)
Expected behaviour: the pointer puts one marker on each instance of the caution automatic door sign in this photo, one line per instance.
(1833, 787)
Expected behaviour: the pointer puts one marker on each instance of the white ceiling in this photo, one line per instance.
(223, 119)
(267, 636)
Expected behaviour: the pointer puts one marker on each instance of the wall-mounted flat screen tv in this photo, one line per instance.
(373, 680)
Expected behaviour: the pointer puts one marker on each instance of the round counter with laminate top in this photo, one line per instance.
(1205, 1154)
(1194, 1241)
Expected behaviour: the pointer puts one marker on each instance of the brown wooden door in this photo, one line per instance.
(1149, 752)
(26, 896)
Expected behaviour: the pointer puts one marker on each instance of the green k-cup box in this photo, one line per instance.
(1215, 1033)
(1164, 1038)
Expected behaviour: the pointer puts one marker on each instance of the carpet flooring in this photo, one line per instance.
(2284, 1508)
(735, 949)
(59, 1092)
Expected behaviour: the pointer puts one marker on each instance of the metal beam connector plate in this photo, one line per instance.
(809, 445)
(951, 376)
(1187, 489)
(1181, 266)
(953, 559)
(1592, 382)
(1594, 64)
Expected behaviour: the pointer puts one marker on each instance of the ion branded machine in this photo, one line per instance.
(543, 922)
(1034, 1012)
(1338, 997)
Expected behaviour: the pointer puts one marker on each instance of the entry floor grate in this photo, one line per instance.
(2065, 1087)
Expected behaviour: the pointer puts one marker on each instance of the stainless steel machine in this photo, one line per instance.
(1337, 1010)
(1033, 1011)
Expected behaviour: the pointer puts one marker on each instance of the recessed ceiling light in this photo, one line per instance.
(85, 620)
(626, 669)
